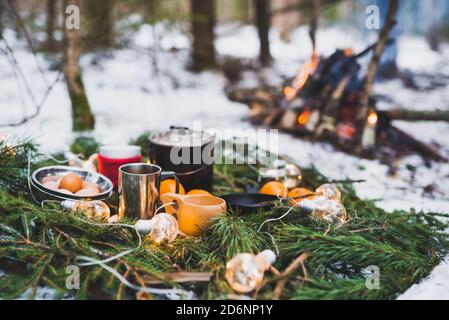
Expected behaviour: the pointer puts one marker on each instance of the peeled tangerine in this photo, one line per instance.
(330, 191)
(52, 185)
(91, 186)
(86, 192)
(274, 188)
(298, 194)
(246, 271)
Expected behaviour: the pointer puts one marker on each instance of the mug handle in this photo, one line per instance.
(172, 197)
(170, 174)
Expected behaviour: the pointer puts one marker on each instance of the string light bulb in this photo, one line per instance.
(162, 226)
(293, 176)
(329, 191)
(245, 271)
(92, 209)
(324, 209)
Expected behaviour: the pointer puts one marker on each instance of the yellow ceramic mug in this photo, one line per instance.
(195, 212)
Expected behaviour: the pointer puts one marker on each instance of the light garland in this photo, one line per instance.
(245, 271)
(324, 209)
(92, 209)
(329, 191)
(162, 227)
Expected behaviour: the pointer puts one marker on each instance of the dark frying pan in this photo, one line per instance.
(249, 202)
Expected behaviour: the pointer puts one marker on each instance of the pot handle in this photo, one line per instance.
(170, 174)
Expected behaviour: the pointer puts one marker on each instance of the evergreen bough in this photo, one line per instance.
(37, 245)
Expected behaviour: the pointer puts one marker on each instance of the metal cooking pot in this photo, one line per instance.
(188, 153)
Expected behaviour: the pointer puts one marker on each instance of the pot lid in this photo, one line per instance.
(182, 137)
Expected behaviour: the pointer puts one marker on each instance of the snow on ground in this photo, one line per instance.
(128, 96)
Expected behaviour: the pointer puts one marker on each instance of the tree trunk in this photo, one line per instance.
(50, 28)
(2, 16)
(433, 16)
(367, 90)
(203, 21)
(82, 117)
(98, 13)
(263, 29)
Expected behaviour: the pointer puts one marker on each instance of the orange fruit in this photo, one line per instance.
(297, 193)
(71, 182)
(274, 188)
(169, 186)
(198, 192)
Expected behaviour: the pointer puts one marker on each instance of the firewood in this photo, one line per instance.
(248, 96)
(412, 115)
(409, 142)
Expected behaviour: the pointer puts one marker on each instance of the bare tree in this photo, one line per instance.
(263, 28)
(82, 117)
(2, 16)
(203, 21)
(50, 24)
(367, 90)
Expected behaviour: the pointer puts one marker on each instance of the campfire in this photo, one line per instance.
(322, 102)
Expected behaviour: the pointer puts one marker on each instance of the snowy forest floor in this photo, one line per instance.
(145, 86)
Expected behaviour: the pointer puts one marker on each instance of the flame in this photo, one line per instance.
(345, 130)
(288, 91)
(372, 118)
(304, 117)
(348, 52)
(306, 71)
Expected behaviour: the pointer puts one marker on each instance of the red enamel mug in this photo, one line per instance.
(111, 158)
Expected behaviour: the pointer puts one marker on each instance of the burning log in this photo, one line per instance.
(325, 104)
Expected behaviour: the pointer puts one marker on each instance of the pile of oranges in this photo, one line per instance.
(278, 189)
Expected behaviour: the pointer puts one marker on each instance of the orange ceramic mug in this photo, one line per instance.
(195, 212)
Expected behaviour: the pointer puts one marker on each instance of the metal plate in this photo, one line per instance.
(43, 193)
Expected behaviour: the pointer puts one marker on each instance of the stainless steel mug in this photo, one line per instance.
(138, 187)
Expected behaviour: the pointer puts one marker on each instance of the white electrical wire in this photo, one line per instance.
(85, 261)
(283, 216)
(170, 293)
(277, 219)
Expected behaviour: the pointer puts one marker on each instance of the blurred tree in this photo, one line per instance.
(2, 10)
(203, 21)
(433, 14)
(263, 28)
(50, 24)
(99, 19)
(82, 117)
